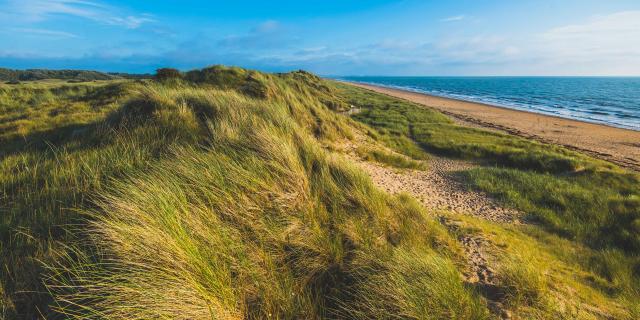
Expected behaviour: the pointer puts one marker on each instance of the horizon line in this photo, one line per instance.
(333, 76)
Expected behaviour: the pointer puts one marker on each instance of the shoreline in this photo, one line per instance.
(618, 145)
(503, 106)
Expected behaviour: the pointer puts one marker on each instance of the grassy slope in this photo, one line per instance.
(593, 204)
(213, 196)
(191, 202)
(56, 154)
(11, 75)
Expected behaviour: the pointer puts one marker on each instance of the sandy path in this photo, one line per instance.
(620, 146)
(438, 189)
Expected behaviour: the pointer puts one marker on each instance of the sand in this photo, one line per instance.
(441, 193)
(620, 146)
(438, 189)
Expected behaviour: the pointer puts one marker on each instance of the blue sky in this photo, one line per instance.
(330, 37)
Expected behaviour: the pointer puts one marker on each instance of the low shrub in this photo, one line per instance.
(167, 74)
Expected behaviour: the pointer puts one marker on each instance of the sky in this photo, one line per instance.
(329, 37)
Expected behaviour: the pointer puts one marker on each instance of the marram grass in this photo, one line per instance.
(257, 221)
(212, 196)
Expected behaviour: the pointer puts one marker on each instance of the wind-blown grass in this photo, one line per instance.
(600, 209)
(409, 128)
(187, 201)
(211, 196)
(30, 113)
(43, 185)
(256, 221)
(571, 195)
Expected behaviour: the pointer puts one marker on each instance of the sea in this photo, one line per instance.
(613, 101)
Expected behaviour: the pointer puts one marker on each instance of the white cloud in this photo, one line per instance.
(267, 27)
(130, 22)
(45, 32)
(603, 45)
(602, 38)
(454, 18)
(267, 35)
(41, 10)
(314, 49)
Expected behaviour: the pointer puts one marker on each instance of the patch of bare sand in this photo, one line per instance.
(438, 189)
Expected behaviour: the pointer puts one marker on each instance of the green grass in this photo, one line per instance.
(260, 223)
(186, 200)
(587, 201)
(212, 196)
(426, 287)
(44, 184)
(524, 282)
(412, 129)
(541, 275)
(40, 110)
(600, 209)
(573, 195)
(388, 158)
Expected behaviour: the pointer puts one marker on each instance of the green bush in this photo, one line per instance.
(167, 74)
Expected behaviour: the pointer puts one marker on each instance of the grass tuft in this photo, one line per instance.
(385, 157)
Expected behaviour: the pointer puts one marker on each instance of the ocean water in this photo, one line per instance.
(614, 101)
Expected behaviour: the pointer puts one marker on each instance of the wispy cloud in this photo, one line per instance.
(269, 34)
(268, 26)
(44, 32)
(130, 22)
(615, 33)
(41, 10)
(609, 42)
(454, 18)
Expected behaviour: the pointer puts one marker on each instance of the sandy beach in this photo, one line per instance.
(620, 146)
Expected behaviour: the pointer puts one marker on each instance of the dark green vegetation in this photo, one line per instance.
(403, 126)
(210, 194)
(11, 75)
(183, 200)
(599, 208)
(570, 195)
(167, 74)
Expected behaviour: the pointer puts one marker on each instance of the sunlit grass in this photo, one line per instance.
(187, 201)
(389, 158)
(592, 204)
(211, 196)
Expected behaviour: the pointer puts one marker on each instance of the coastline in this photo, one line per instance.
(618, 145)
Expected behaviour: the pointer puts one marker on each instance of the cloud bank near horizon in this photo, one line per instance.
(140, 41)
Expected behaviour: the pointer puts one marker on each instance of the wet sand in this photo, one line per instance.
(620, 146)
